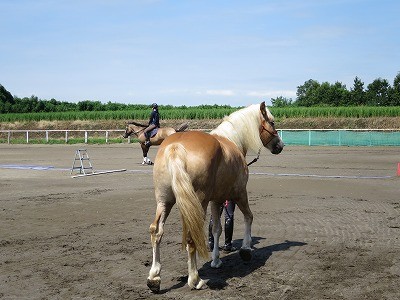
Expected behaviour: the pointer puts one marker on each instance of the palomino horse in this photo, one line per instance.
(137, 129)
(192, 168)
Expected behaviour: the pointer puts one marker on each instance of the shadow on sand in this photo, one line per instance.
(234, 266)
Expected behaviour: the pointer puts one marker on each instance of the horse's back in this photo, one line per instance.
(193, 141)
(214, 164)
(201, 148)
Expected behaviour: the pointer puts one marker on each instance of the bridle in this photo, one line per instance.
(272, 134)
(136, 132)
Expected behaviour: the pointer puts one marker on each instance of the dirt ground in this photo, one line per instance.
(326, 226)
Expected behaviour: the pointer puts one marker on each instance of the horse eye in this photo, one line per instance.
(272, 123)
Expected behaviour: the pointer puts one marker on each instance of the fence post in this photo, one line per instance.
(370, 137)
(309, 138)
(66, 136)
(9, 137)
(106, 136)
(47, 136)
(27, 137)
(86, 136)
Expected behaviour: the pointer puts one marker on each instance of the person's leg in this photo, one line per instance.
(229, 222)
(147, 133)
(210, 235)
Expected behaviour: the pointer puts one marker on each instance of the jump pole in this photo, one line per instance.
(98, 173)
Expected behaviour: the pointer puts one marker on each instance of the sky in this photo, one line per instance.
(193, 52)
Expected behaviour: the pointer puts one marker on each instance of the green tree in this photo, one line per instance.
(6, 100)
(357, 93)
(378, 92)
(88, 105)
(395, 91)
(307, 93)
(339, 95)
(281, 102)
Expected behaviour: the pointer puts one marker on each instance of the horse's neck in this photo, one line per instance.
(230, 132)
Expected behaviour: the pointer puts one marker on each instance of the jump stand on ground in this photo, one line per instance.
(85, 166)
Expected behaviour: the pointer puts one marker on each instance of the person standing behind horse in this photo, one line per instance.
(154, 122)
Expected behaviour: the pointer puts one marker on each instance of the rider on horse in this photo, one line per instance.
(154, 122)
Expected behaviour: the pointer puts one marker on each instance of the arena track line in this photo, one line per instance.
(149, 171)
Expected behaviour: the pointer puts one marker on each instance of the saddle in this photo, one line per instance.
(153, 132)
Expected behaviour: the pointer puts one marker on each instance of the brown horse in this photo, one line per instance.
(193, 168)
(138, 128)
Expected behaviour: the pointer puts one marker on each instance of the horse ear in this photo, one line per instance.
(263, 110)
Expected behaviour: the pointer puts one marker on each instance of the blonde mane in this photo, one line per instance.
(242, 128)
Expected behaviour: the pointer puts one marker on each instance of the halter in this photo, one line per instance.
(272, 135)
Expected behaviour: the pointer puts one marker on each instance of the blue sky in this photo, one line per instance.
(193, 52)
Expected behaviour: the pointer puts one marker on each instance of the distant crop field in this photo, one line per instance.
(211, 112)
(340, 112)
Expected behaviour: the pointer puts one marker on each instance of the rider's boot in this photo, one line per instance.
(228, 235)
(210, 237)
(147, 141)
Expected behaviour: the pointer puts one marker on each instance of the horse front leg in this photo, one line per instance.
(156, 233)
(243, 204)
(145, 150)
(216, 232)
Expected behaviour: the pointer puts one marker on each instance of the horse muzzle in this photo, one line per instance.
(276, 145)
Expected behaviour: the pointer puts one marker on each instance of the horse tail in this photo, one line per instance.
(183, 127)
(190, 208)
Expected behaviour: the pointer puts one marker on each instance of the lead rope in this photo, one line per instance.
(254, 160)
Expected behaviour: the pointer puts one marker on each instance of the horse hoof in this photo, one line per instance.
(217, 264)
(196, 284)
(245, 254)
(154, 285)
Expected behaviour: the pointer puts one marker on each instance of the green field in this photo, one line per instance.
(212, 112)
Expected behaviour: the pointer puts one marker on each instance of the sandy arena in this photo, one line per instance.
(326, 226)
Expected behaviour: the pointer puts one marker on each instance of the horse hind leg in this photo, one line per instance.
(156, 233)
(194, 280)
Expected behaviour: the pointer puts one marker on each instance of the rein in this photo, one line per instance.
(136, 132)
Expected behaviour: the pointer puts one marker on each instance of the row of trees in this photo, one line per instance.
(10, 104)
(311, 93)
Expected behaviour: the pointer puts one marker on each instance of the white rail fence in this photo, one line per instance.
(46, 134)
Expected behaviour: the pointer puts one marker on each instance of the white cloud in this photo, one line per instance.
(272, 94)
(220, 92)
